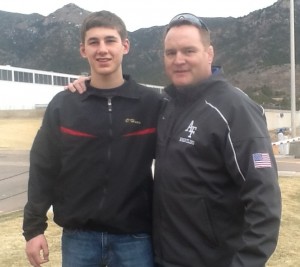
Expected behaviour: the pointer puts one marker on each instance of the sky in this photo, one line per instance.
(143, 14)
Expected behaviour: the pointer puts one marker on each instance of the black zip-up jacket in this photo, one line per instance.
(91, 160)
(217, 201)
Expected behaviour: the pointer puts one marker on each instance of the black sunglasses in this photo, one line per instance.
(190, 18)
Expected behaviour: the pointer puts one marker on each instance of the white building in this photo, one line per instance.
(22, 88)
(27, 89)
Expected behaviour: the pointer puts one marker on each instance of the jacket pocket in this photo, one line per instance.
(190, 219)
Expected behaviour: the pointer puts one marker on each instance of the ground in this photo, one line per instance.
(19, 134)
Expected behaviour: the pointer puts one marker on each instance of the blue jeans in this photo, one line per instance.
(99, 249)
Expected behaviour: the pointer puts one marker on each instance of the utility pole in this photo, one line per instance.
(293, 87)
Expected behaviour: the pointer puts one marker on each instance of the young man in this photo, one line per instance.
(91, 160)
(220, 205)
(217, 200)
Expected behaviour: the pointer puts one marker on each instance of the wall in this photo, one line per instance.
(17, 97)
(22, 96)
(281, 118)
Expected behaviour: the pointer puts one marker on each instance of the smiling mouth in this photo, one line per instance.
(103, 60)
(180, 71)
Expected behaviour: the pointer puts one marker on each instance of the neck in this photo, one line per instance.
(106, 81)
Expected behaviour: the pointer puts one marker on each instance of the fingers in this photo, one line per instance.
(45, 252)
(77, 85)
(37, 251)
(37, 262)
(70, 87)
(36, 259)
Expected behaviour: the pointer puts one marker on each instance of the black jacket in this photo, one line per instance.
(91, 160)
(216, 196)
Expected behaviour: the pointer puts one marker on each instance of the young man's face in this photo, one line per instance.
(104, 50)
(187, 60)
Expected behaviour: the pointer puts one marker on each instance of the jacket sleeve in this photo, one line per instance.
(260, 194)
(256, 176)
(44, 168)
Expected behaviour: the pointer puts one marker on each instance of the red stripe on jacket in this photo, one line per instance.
(75, 133)
(142, 132)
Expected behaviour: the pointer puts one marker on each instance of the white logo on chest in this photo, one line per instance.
(191, 129)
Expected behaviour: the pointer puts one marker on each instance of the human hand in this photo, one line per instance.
(78, 85)
(37, 251)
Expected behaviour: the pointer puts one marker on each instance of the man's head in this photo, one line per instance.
(103, 19)
(188, 54)
(104, 42)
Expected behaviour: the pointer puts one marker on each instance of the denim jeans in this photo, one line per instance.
(99, 249)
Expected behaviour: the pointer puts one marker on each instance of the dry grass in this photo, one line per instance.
(287, 252)
(12, 246)
(19, 134)
(286, 255)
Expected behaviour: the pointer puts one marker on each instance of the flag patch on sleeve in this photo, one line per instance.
(261, 160)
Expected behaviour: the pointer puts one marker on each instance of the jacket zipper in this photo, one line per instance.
(109, 105)
(104, 191)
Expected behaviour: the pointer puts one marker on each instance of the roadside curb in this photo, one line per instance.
(11, 215)
(289, 174)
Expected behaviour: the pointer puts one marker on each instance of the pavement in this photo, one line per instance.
(14, 165)
(288, 165)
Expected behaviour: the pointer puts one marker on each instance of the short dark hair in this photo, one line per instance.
(105, 19)
(190, 19)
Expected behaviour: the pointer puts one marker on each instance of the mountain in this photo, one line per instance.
(254, 50)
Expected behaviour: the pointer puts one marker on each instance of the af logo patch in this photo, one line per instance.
(191, 129)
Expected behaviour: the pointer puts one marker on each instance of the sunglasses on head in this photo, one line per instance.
(190, 18)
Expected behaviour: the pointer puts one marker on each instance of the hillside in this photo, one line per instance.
(254, 50)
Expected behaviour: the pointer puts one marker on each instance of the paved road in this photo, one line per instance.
(14, 167)
(288, 165)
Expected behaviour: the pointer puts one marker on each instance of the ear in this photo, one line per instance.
(210, 53)
(82, 50)
(126, 46)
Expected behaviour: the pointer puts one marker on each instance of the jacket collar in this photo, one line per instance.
(127, 90)
(192, 93)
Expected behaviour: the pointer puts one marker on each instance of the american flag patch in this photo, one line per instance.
(261, 160)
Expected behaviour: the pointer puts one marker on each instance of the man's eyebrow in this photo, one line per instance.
(111, 37)
(105, 37)
(92, 38)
